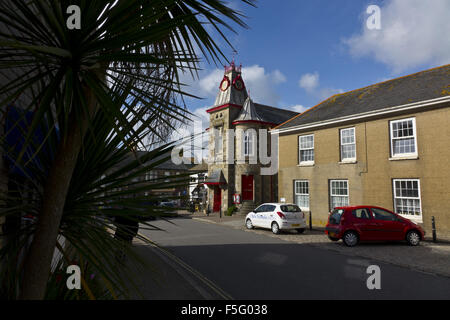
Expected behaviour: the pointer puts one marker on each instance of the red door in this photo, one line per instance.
(247, 188)
(217, 199)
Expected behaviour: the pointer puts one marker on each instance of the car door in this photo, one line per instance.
(363, 221)
(387, 225)
(257, 216)
(268, 215)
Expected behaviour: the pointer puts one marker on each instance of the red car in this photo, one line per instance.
(370, 223)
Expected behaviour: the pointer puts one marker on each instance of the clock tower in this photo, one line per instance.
(233, 92)
(234, 124)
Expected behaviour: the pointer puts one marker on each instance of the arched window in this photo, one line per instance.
(249, 142)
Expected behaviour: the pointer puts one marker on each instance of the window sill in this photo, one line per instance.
(348, 162)
(306, 164)
(417, 219)
(403, 158)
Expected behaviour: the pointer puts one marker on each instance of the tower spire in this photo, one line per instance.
(232, 90)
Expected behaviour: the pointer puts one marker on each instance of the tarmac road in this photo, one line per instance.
(246, 265)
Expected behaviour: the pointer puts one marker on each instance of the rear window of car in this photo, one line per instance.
(290, 208)
(335, 216)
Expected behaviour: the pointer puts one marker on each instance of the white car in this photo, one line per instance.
(277, 216)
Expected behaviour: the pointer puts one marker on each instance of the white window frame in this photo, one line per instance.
(391, 133)
(302, 194)
(416, 218)
(339, 195)
(352, 159)
(218, 143)
(300, 149)
(249, 145)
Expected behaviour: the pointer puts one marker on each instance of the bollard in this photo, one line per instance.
(310, 220)
(433, 228)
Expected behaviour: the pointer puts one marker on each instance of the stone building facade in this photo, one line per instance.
(234, 166)
(385, 145)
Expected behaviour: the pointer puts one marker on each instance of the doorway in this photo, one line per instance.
(247, 188)
(217, 199)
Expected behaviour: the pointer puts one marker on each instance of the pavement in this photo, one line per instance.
(231, 262)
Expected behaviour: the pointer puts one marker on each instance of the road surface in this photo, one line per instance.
(246, 265)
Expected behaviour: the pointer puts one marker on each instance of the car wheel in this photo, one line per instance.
(275, 228)
(301, 230)
(413, 238)
(350, 238)
(249, 224)
(333, 238)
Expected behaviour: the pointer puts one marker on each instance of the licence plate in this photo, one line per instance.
(296, 225)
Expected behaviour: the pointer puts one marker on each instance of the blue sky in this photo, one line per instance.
(297, 52)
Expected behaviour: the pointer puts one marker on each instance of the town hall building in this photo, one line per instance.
(231, 182)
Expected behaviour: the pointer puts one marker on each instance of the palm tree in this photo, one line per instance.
(121, 65)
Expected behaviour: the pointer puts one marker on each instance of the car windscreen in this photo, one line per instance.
(290, 208)
(335, 216)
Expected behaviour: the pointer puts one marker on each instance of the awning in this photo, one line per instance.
(215, 178)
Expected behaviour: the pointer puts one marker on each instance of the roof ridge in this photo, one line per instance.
(390, 80)
(267, 106)
(366, 87)
(334, 95)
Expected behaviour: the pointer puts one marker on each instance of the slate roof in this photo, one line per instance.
(248, 112)
(424, 85)
(274, 115)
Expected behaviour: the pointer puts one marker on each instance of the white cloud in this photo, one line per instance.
(262, 84)
(325, 93)
(298, 108)
(309, 81)
(413, 33)
(209, 85)
(278, 77)
(311, 84)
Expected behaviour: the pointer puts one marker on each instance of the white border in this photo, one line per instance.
(391, 138)
(346, 160)
(408, 216)
(348, 191)
(306, 163)
(302, 194)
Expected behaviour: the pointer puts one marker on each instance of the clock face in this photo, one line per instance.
(238, 84)
(224, 84)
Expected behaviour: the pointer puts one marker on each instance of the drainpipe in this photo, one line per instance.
(3, 174)
(366, 169)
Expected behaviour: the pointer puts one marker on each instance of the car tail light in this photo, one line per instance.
(281, 215)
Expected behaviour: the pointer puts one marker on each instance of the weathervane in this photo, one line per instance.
(233, 55)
